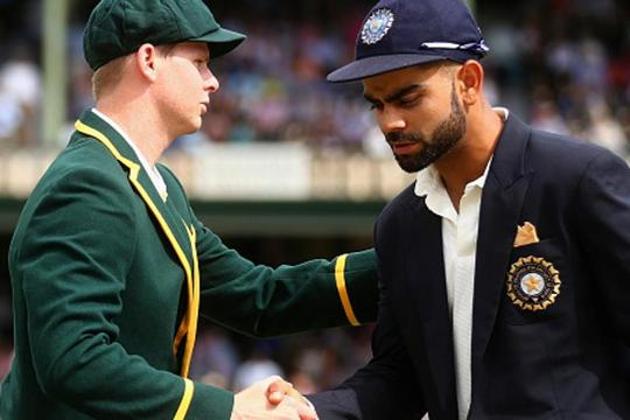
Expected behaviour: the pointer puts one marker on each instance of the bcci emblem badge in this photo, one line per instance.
(377, 26)
(533, 284)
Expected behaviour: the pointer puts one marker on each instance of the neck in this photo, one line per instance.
(468, 160)
(137, 118)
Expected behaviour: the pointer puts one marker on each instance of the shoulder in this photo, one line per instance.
(563, 167)
(564, 161)
(562, 153)
(83, 190)
(84, 170)
(86, 157)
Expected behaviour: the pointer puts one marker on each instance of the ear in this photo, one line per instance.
(470, 77)
(146, 58)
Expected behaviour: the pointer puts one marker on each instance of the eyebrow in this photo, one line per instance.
(397, 94)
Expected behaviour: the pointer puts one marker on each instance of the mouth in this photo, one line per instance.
(405, 147)
(204, 107)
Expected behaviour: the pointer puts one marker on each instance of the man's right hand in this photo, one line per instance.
(253, 403)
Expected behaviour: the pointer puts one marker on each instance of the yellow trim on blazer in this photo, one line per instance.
(185, 324)
(340, 279)
(181, 332)
(182, 410)
(193, 308)
(134, 169)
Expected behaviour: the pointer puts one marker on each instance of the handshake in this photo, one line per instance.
(272, 398)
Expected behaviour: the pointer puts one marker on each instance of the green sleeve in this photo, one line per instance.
(262, 301)
(70, 274)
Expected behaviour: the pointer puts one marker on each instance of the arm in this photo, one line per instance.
(259, 300)
(603, 219)
(384, 389)
(387, 387)
(262, 301)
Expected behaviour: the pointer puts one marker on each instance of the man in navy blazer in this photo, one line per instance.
(505, 268)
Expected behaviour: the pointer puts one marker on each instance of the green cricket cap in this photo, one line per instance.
(119, 27)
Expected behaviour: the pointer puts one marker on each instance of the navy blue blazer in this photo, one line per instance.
(570, 360)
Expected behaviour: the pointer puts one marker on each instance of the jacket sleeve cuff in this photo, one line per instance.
(208, 402)
(357, 284)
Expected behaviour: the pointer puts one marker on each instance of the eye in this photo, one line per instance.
(200, 64)
(409, 101)
(375, 105)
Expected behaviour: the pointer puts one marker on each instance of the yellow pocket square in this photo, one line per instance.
(526, 235)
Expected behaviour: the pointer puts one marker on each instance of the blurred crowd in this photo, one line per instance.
(562, 65)
(310, 361)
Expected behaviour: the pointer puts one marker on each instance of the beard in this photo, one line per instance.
(447, 134)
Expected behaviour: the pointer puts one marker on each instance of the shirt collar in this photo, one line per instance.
(428, 180)
(481, 181)
(503, 112)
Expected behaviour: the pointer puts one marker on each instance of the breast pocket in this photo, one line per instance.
(535, 284)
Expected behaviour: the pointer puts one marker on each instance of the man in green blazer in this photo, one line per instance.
(110, 267)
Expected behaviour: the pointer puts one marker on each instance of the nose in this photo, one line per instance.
(390, 121)
(210, 83)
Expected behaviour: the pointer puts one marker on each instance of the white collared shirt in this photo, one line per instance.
(459, 244)
(151, 170)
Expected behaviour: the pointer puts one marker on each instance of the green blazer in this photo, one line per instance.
(108, 281)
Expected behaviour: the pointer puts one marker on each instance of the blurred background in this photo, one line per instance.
(286, 166)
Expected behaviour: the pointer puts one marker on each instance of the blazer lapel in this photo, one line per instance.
(502, 199)
(170, 223)
(427, 289)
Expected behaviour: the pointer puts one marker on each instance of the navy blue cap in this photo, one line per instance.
(402, 33)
